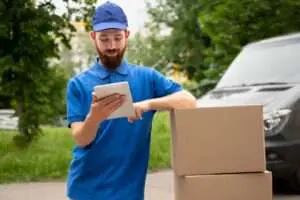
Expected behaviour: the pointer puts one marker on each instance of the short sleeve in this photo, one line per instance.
(73, 103)
(164, 86)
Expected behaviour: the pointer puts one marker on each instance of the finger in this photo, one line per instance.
(110, 106)
(106, 100)
(132, 119)
(94, 97)
(111, 98)
(114, 105)
(138, 114)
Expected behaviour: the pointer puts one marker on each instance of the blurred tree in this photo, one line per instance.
(30, 34)
(233, 24)
(4, 101)
(206, 35)
(79, 57)
(186, 41)
(148, 50)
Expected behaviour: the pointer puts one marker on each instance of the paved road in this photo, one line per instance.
(159, 187)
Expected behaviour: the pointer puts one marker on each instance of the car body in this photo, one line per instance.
(7, 120)
(267, 73)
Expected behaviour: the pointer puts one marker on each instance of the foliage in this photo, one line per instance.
(5, 101)
(206, 35)
(233, 24)
(160, 155)
(147, 50)
(186, 42)
(49, 157)
(30, 35)
(77, 58)
(151, 50)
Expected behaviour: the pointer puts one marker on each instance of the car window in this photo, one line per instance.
(272, 62)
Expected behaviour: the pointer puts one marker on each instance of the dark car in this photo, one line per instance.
(267, 72)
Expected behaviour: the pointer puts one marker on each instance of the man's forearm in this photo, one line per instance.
(182, 99)
(85, 132)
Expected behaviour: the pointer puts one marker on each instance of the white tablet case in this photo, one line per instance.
(126, 110)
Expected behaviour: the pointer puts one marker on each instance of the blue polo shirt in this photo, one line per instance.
(114, 165)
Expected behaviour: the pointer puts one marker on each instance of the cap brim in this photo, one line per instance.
(109, 25)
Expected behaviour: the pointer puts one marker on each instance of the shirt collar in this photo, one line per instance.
(103, 72)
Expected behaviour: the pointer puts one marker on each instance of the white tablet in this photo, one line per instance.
(126, 110)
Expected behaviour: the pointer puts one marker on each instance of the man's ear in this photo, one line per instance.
(127, 33)
(93, 35)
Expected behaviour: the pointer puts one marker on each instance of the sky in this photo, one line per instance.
(134, 9)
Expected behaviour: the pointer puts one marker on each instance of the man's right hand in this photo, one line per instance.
(85, 132)
(102, 108)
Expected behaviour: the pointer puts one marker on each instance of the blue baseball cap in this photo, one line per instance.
(109, 15)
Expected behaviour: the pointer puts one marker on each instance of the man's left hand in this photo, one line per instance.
(140, 108)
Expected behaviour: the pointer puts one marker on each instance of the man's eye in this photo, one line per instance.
(103, 39)
(118, 38)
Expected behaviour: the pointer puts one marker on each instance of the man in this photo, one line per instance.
(111, 156)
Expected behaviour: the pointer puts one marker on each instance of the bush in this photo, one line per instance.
(160, 144)
(49, 157)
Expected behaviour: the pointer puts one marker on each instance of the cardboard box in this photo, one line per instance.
(218, 140)
(247, 186)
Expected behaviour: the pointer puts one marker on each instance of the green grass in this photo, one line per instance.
(49, 157)
(160, 143)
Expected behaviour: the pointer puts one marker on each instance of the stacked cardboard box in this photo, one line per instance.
(218, 153)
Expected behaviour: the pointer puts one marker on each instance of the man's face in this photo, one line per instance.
(111, 45)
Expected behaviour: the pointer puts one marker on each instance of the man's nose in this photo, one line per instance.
(112, 45)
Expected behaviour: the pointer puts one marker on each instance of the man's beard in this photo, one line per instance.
(111, 62)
